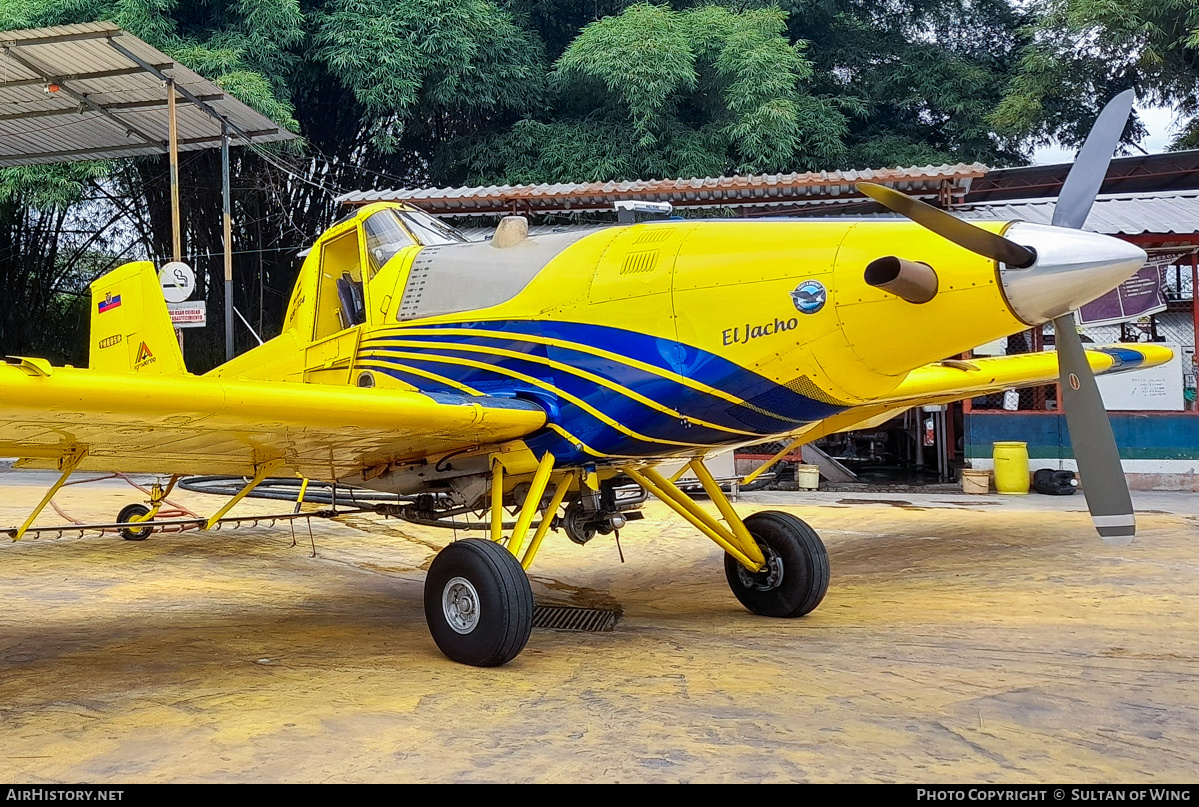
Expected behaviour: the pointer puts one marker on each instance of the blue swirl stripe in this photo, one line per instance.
(563, 360)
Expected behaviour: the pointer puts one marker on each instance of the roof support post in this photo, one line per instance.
(227, 228)
(1194, 309)
(173, 133)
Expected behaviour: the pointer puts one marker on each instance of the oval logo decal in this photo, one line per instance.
(809, 297)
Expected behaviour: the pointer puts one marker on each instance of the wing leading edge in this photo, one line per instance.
(948, 381)
(969, 378)
(162, 424)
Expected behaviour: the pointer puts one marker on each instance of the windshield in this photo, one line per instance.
(429, 231)
(384, 237)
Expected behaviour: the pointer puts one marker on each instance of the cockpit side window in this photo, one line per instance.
(385, 236)
(429, 231)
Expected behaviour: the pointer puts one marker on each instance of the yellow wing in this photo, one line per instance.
(949, 381)
(185, 424)
(964, 379)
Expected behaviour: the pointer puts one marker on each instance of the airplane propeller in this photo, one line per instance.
(1091, 434)
(963, 233)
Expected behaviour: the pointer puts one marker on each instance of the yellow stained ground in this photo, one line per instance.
(965, 639)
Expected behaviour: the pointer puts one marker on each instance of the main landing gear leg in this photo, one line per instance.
(478, 601)
(775, 564)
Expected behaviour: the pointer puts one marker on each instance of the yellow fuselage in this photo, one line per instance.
(657, 339)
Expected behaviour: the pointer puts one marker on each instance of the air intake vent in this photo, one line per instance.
(563, 617)
(637, 263)
(654, 235)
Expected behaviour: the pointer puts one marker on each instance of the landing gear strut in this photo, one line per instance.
(775, 563)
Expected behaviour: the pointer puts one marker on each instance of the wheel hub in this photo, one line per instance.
(769, 578)
(460, 604)
(577, 525)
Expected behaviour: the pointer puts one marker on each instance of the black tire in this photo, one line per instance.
(134, 533)
(496, 615)
(797, 573)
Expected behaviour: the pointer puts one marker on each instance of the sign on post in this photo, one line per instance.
(188, 315)
(178, 281)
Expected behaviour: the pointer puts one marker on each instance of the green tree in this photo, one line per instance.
(918, 78)
(50, 245)
(1083, 52)
(654, 92)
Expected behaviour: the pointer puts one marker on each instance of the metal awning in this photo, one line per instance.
(1124, 214)
(92, 91)
(940, 182)
(1143, 173)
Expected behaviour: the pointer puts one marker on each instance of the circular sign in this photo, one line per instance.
(178, 281)
(809, 297)
(1074, 385)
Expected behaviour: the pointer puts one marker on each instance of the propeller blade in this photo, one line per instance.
(964, 234)
(1103, 481)
(1090, 166)
(1091, 435)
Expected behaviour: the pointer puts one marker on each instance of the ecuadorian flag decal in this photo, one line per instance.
(110, 302)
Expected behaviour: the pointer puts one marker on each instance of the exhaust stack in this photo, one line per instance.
(908, 280)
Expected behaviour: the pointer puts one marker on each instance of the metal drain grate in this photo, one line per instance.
(563, 617)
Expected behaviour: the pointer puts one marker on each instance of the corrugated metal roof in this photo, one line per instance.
(485, 232)
(110, 101)
(1142, 173)
(1117, 214)
(1175, 213)
(763, 190)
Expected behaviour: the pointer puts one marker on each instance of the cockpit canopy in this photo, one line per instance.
(388, 231)
(335, 281)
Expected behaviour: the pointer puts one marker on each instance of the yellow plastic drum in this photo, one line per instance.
(1011, 468)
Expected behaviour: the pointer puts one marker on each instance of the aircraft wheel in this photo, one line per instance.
(134, 533)
(796, 576)
(478, 603)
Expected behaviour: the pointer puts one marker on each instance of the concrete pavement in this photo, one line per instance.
(965, 639)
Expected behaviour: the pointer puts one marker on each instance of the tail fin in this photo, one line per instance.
(131, 327)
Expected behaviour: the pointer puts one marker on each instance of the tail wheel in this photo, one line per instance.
(478, 603)
(796, 576)
(134, 533)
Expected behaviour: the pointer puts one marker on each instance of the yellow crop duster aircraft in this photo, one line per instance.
(532, 373)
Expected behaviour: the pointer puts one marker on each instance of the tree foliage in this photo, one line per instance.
(1083, 52)
(50, 245)
(657, 92)
(917, 77)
